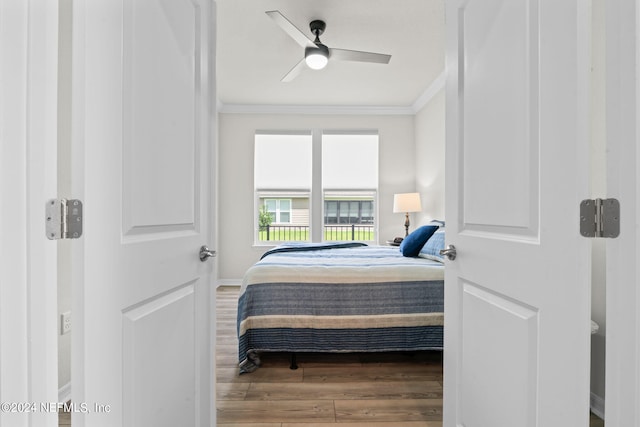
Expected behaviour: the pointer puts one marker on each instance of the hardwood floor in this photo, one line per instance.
(359, 389)
(595, 421)
(64, 419)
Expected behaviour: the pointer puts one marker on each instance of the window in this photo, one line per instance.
(282, 181)
(279, 210)
(349, 215)
(331, 196)
(350, 183)
(348, 211)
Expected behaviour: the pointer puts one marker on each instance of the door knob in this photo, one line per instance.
(205, 253)
(449, 252)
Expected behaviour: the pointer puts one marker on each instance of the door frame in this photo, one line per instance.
(28, 177)
(622, 389)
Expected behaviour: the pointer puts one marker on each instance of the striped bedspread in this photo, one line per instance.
(356, 299)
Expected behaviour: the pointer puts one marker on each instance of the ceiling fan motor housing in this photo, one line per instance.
(317, 27)
(319, 48)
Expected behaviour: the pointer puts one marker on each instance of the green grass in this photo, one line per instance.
(303, 235)
(284, 235)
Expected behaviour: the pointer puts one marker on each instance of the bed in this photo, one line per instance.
(339, 297)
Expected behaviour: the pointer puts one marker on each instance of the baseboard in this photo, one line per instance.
(228, 282)
(64, 393)
(597, 405)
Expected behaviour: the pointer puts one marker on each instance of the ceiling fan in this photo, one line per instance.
(316, 54)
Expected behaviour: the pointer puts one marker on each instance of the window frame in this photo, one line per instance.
(315, 194)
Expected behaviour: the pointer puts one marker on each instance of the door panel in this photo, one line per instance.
(161, 115)
(510, 365)
(517, 300)
(158, 354)
(143, 97)
(499, 61)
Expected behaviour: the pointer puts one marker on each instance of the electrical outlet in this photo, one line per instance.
(65, 323)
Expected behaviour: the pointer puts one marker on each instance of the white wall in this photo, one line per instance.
(429, 158)
(236, 250)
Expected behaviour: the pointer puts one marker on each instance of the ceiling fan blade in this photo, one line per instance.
(356, 55)
(294, 72)
(290, 29)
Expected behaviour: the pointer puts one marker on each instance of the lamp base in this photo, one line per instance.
(406, 224)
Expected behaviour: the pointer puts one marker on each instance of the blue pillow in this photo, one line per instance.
(431, 249)
(412, 244)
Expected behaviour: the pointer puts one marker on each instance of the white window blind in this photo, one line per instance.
(282, 162)
(350, 161)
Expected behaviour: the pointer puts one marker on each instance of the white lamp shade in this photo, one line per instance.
(406, 202)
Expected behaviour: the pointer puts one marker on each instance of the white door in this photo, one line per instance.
(28, 327)
(143, 105)
(623, 183)
(517, 297)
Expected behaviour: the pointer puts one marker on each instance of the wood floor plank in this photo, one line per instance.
(274, 411)
(370, 424)
(371, 373)
(226, 359)
(225, 374)
(232, 391)
(345, 391)
(388, 410)
(249, 425)
(595, 421)
(64, 419)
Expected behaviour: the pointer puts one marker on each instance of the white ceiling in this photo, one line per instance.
(254, 53)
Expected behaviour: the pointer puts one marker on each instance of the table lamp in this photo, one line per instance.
(406, 202)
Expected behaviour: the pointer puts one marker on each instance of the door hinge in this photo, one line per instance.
(63, 219)
(600, 218)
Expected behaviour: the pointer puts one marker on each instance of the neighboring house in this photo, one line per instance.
(295, 210)
(344, 218)
(287, 210)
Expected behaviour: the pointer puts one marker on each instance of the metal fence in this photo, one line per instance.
(331, 232)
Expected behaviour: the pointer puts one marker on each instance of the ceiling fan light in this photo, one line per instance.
(316, 57)
(316, 61)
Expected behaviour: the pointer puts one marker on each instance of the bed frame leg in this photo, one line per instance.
(293, 365)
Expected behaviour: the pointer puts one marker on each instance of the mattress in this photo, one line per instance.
(339, 297)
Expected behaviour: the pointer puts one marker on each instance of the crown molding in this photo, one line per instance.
(430, 92)
(363, 110)
(359, 110)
